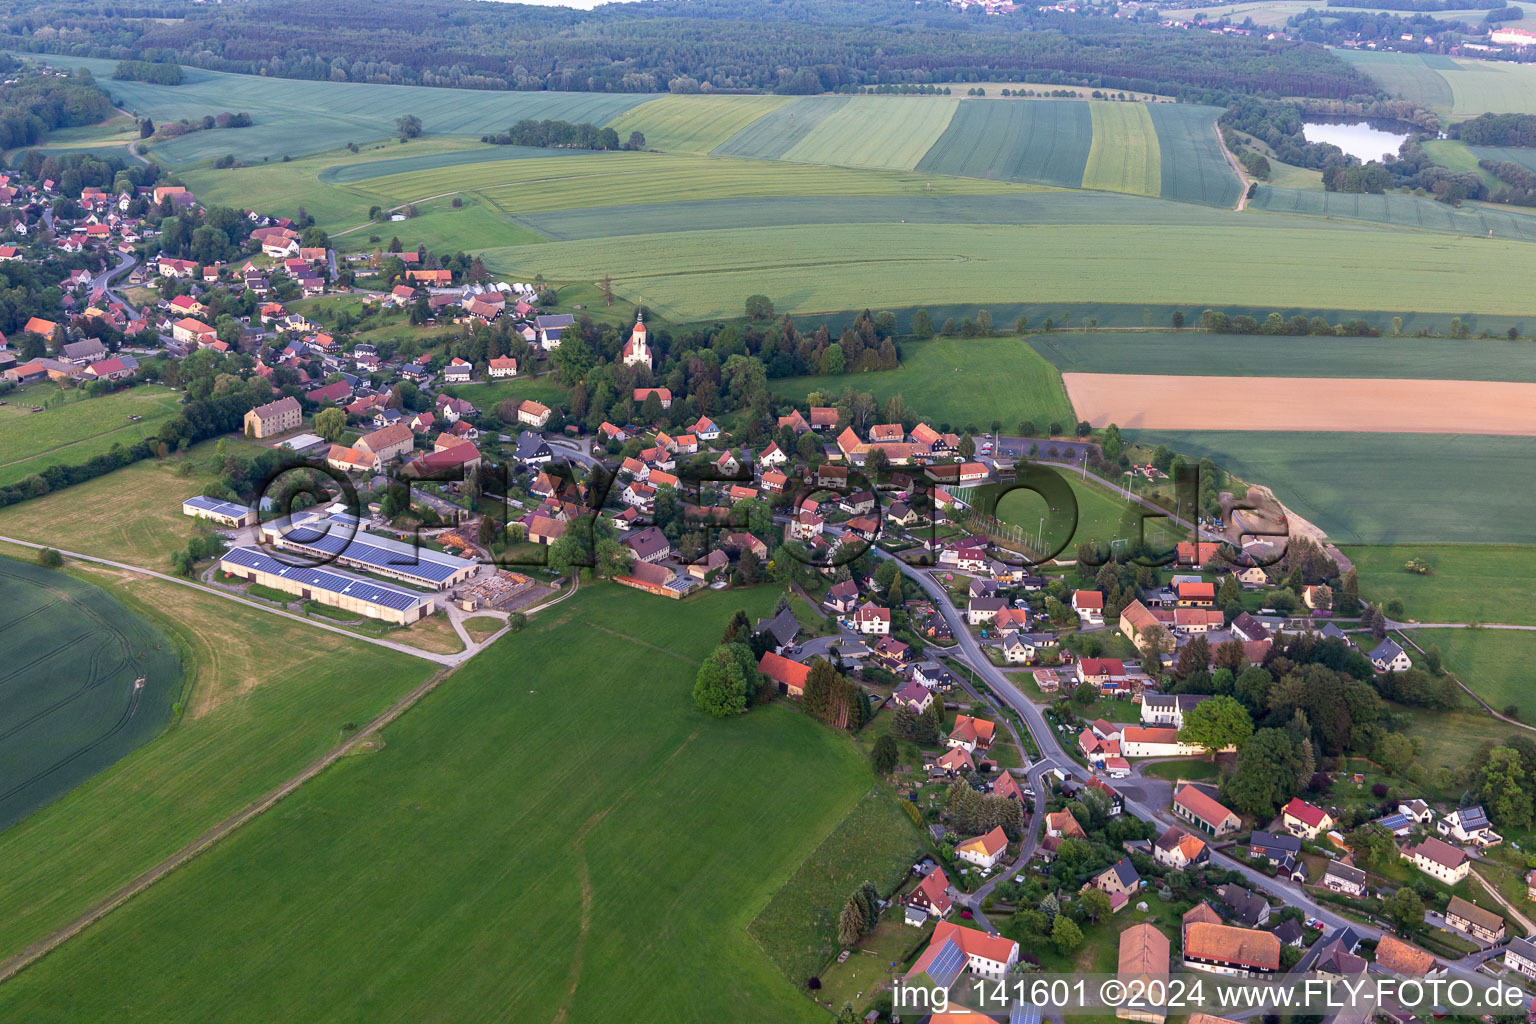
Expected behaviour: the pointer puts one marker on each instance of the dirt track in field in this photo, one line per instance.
(1304, 403)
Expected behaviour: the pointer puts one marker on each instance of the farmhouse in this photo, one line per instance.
(1223, 949)
(1398, 957)
(1169, 709)
(226, 513)
(328, 586)
(1155, 741)
(533, 414)
(1344, 878)
(790, 676)
(1440, 859)
(388, 442)
(351, 460)
(274, 418)
(1178, 849)
(952, 949)
(1483, 925)
(1520, 954)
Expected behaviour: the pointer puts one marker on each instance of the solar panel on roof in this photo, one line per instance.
(947, 964)
(1024, 1013)
(223, 508)
(325, 579)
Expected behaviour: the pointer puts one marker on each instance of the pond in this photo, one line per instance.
(1361, 138)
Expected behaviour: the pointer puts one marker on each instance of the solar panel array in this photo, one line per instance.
(223, 508)
(947, 963)
(375, 552)
(1024, 1013)
(381, 594)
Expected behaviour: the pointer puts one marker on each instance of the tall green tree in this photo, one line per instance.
(1216, 724)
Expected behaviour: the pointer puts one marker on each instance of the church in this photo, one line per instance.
(637, 349)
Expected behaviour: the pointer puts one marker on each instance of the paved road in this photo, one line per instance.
(103, 280)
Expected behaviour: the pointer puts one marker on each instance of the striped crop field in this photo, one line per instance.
(612, 179)
(693, 124)
(876, 131)
(1498, 154)
(774, 134)
(1405, 75)
(1456, 86)
(1124, 156)
(1194, 169)
(1037, 140)
(1399, 210)
(706, 274)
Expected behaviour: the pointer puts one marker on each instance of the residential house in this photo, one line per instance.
(1520, 954)
(1102, 673)
(1439, 859)
(351, 460)
(1247, 628)
(1007, 786)
(1089, 605)
(1200, 809)
(1244, 905)
(1178, 849)
(1395, 956)
(1169, 709)
(1469, 825)
(533, 414)
(83, 353)
(1303, 819)
(1156, 741)
(551, 327)
(915, 696)
(1223, 949)
(532, 449)
(1344, 878)
(971, 733)
(1196, 595)
(842, 597)
(952, 949)
(1118, 881)
(458, 371)
(1279, 850)
(984, 851)
(872, 620)
(783, 628)
(647, 545)
(1388, 656)
(981, 610)
(389, 442)
(663, 395)
(1482, 925)
(931, 897)
(1062, 825)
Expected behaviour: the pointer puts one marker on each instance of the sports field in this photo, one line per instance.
(1219, 355)
(1101, 516)
(1418, 212)
(400, 884)
(958, 382)
(706, 274)
(1383, 488)
(86, 681)
(77, 429)
(1468, 582)
(1124, 156)
(693, 124)
(1171, 402)
(266, 697)
(294, 116)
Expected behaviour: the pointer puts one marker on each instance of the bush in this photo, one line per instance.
(49, 558)
(1379, 790)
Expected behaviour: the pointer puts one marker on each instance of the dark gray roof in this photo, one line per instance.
(1126, 872)
(1278, 843)
(646, 542)
(1289, 932)
(784, 627)
(532, 446)
(1347, 872)
(1246, 905)
(1386, 650)
(1249, 627)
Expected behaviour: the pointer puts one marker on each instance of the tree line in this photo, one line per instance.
(813, 46)
(34, 105)
(1496, 130)
(148, 71)
(562, 135)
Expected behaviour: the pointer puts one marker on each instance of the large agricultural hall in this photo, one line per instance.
(339, 536)
(328, 586)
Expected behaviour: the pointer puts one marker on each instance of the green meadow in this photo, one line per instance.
(77, 428)
(542, 809)
(1467, 582)
(1492, 663)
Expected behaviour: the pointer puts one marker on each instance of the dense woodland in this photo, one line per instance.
(34, 105)
(792, 46)
(1497, 130)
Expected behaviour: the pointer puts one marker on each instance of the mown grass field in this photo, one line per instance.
(876, 842)
(1217, 355)
(892, 132)
(267, 696)
(625, 870)
(442, 227)
(486, 394)
(77, 429)
(705, 274)
(1046, 141)
(71, 705)
(1458, 156)
(1470, 582)
(693, 124)
(296, 117)
(1418, 212)
(132, 515)
(1383, 488)
(1124, 156)
(958, 382)
(1492, 662)
(1101, 516)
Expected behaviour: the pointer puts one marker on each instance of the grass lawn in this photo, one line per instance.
(1493, 662)
(1101, 516)
(1468, 583)
(403, 882)
(1191, 770)
(870, 968)
(131, 515)
(76, 429)
(484, 395)
(266, 697)
(482, 626)
(958, 382)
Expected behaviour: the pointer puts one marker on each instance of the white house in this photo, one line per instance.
(984, 851)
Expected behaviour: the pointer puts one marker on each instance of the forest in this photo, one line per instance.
(791, 46)
(34, 105)
(1497, 130)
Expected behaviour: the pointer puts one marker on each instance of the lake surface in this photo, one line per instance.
(1367, 140)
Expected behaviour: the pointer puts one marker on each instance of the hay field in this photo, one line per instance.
(1124, 156)
(1166, 402)
(1455, 86)
(693, 124)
